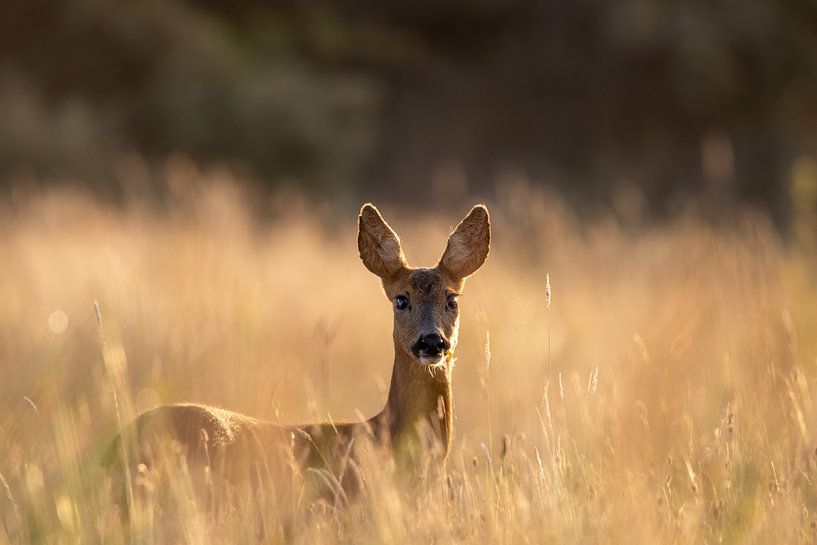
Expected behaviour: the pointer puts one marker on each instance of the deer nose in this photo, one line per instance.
(434, 342)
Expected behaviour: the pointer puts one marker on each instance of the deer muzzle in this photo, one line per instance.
(430, 348)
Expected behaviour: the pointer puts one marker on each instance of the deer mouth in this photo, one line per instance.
(432, 359)
(428, 355)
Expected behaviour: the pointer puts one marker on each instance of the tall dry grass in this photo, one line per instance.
(666, 394)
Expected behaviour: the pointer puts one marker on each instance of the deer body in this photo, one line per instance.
(419, 405)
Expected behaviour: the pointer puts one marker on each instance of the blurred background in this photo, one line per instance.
(622, 105)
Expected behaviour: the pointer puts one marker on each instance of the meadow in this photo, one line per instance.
(663, 393)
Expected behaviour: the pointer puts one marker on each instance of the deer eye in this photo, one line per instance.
(401, 302)
(452, 301)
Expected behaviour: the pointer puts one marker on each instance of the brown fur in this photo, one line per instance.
(235, 445)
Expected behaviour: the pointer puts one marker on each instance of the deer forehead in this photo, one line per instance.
(427, 283)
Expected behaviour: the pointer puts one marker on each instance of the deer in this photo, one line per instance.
(419, 411)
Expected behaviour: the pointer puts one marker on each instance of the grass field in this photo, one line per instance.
(665, 396)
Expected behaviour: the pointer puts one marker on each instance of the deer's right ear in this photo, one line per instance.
(378, 244)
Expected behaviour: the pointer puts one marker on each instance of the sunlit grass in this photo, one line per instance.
(666, 394)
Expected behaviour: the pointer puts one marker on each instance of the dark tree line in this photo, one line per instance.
(358, 97)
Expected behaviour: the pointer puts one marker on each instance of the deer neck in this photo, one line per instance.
(419, 399)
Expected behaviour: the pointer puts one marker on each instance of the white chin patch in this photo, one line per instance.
(432, 360)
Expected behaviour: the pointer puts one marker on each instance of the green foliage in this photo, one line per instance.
(351, 96)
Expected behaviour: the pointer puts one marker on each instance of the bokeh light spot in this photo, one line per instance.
(146, 400)
(58, 321)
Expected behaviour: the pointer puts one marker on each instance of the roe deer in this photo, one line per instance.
(426, 321)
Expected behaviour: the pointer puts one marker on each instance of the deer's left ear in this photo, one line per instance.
(468, 245)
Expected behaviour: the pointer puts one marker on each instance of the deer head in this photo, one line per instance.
(426, 313)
